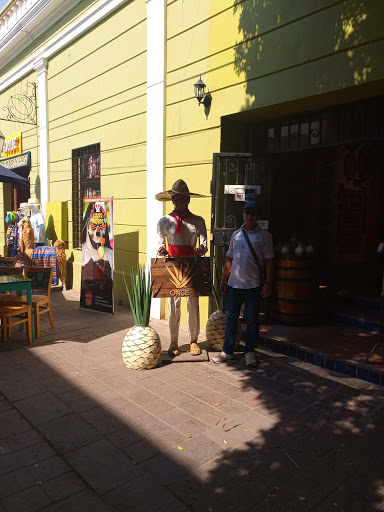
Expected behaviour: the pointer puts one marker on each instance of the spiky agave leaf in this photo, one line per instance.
(140, 295)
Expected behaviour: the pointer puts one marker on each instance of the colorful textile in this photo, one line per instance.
(45, 257)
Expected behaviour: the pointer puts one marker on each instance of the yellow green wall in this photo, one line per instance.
(97, 93)
(255, 54)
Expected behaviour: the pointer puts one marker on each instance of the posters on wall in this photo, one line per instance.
(97, 255)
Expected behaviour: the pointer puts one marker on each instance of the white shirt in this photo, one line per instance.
(193, 228)
(38, 224)
(244, 272)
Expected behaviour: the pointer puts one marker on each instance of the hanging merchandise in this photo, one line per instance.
(11, 237)
(90, 167)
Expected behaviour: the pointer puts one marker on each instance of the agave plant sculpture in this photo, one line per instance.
(141, 346)
(141, 295)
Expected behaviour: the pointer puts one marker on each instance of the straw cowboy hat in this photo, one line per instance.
(33, 201)
(179, 188)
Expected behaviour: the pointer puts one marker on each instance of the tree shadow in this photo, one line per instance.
(287, 436)
(310, 49)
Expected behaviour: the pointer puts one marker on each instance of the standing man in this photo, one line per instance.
(181, 229)
(242, 282)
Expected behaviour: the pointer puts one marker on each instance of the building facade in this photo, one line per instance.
(298, 84)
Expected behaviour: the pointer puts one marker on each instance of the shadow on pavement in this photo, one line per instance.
(80, 431)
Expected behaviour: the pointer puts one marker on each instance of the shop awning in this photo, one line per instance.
(8, 176)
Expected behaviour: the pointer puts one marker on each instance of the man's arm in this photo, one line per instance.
(161, 248)
(202, 232)
(226, 272)
(269, 271)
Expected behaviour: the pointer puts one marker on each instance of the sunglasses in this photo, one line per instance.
(250, 211)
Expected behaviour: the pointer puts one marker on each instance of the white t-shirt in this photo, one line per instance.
(38, 224)
(244, 272)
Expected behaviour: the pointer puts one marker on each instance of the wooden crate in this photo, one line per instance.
(180, 277)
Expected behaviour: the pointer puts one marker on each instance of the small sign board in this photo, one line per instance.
(180, 277)
(238, 189)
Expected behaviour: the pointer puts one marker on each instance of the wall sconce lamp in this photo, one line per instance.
(200, 95)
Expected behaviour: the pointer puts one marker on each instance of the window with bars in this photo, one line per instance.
(85, 184)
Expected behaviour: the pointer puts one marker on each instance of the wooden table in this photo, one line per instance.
(17, 283)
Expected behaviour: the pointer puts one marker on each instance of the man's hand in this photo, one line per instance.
(199, 251)
(223, 286)
(162, 251)
(267, 290)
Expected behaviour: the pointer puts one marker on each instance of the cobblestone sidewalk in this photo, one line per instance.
(80, 432)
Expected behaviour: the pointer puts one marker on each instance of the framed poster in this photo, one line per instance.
(97, 255)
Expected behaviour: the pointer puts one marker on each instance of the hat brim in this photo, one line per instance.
(168, 194)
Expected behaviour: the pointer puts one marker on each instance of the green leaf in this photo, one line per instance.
(140, 295)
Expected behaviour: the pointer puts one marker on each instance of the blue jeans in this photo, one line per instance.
(234, 299)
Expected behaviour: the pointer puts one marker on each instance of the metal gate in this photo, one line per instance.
(236, 179)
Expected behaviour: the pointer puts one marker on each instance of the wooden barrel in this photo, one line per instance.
(295, 290)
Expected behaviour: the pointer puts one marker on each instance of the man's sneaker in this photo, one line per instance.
(222, 357)
(250, 360)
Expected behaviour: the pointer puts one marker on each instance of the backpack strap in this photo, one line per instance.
(257, 261)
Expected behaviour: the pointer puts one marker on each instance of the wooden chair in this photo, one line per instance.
(7, 312)
(41, 278)
(8, 262)
(10, 270)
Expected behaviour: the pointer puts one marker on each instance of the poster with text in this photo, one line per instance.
(97, 255)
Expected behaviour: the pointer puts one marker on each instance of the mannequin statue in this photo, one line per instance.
(37, 221)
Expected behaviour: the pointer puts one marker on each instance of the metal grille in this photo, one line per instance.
(85, 184)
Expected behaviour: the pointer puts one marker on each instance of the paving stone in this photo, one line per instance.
(103, 466)
(233, 408)
(144, 494)
(234, 432)
(158, 406)
(214, 399)
(41, 408)
(28, 500)
(102, 420)
(195, 452)
(192, 427)
(47, 469)
(69, 432)
(166, 439)
(23, 440)
(141, 396)
(8, 416)
(142, 450)
(81, 502)
(63, 486)
(124, 437)
(174, 416)
(20, 386)
(15, 481)
(150, 426)
(25, 457)
(214, 418)
(164, 469)
(5, 405)
(195, 408)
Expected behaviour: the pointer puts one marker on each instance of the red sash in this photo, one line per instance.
(180, 250)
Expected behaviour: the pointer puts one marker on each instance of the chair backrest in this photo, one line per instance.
(8, 262)
(5, 271)
(41, 278)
